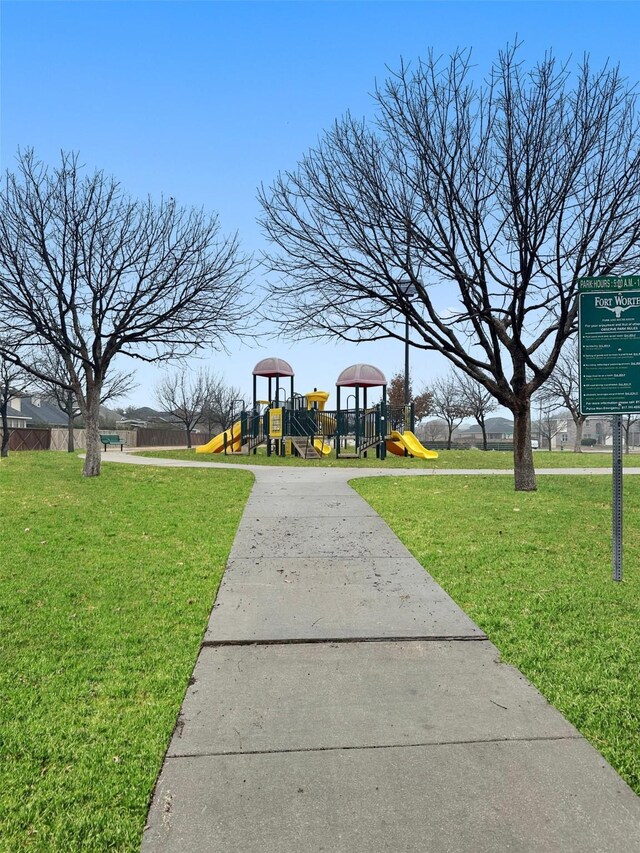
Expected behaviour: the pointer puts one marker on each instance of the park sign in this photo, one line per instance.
(609, 323)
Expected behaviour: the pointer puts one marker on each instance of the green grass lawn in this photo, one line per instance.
(106, 587)
(447, 459)
(107, 584)
(534, 571)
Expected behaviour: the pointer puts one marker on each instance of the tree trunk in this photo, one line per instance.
(525, 475)
(577, 447)
(91, 415)
(70, 444)
(449, 434)
(4, 447)
(188, 439)
(484, 435)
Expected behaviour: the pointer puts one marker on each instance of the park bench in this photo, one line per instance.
(112, 439)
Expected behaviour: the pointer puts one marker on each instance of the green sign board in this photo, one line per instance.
(609, 322)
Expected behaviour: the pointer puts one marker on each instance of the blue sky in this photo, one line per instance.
(203, 101)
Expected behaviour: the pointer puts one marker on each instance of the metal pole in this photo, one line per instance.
(337, 438)
(406, 360)
(409, 292)
(617, 498)
(540, 425)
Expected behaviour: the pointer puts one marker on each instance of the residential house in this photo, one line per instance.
(597, 431)
(145, 416)
(433, 430)
(17, 419)
(498, 429)
(40, 410)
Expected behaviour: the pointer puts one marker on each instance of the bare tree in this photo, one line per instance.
(224, 404)
(448, 404)
(434, 430)
(490, 198)
(564, 385)
(58, 387)
(93, 274)
(12, 380)
(627, 422)
(550, 421)
(185, 397)
(604, 430)
(477, 401)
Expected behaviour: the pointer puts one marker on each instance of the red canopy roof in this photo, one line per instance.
(273, 367)
(363, 375)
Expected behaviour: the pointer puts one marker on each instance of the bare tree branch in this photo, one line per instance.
(449, 404)
(58, 385)
(185, 397)
(491, 198)
(91, 274)
(476, 400)
(563, 386)
(12, 380)
(224, 404)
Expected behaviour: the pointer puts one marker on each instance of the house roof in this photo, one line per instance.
(491, 425)
(145, 413)
(42, 411)
(146, 416)
(14, 413)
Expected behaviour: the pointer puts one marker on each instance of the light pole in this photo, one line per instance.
(409, 292)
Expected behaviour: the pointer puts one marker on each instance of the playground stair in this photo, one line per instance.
(253, 443)
(367, 445)
(305, 448)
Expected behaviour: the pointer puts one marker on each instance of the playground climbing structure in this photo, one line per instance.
(287, 423)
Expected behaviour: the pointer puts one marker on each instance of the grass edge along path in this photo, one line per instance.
(447, 459)
(533, 570)
(107, 585)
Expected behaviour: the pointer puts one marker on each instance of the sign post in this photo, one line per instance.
(616, 504)
(609, 324)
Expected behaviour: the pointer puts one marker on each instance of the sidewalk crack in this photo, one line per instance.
(343, 748)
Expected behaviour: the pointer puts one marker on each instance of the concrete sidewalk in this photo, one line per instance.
(342, 702)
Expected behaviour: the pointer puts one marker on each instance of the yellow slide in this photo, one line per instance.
(401, 441)
(326, 424)
(216, 445)
(322, 446)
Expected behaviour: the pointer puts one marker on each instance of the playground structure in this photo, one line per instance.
(288, 423)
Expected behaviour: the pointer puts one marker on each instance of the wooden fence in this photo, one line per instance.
(56, 438)
(150, 437)
(30, 438)
(466, 445)
(59, 437)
